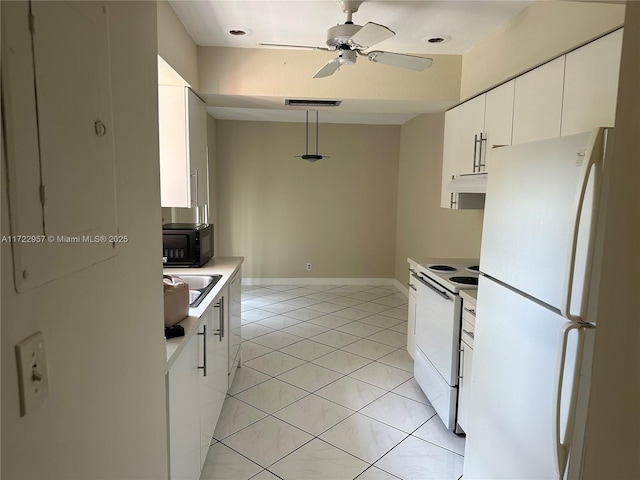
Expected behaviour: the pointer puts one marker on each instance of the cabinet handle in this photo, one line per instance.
(475, 151)
(470, 310)
(468, 333)
(481, 164)
(220, 305)
(196, 182)
(461, 370)
(411, 286)
(204, 344)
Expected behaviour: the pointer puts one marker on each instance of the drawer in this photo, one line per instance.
(468, 332)
(469, 312)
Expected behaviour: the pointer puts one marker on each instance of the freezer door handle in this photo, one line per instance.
(563, 445)
(427, 284)
(593, 155)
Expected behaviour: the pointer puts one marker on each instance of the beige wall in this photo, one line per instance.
(613, 440)
(265, 73)
(103, 327)
(213, 176)
(175, 45)
(424, 229)
(281, 212)
(543, 30)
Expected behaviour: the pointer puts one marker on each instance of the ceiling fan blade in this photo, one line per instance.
(329, 68)
(307, 47)
(411, 62)
(371, 34)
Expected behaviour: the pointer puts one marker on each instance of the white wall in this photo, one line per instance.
(175, 45)
(103, 326)
(613, 428)
(542, 31)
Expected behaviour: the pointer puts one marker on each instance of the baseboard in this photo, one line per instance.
(320, 281)
(404, 289)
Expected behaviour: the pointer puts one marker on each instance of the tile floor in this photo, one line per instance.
(327, 392)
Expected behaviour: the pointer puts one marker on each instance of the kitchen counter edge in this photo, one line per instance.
(225, 266)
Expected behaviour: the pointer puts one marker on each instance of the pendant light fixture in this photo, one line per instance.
(310, 157)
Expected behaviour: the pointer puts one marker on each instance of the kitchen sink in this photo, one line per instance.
(199, 286)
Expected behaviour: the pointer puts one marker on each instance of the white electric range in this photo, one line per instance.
(437, 331)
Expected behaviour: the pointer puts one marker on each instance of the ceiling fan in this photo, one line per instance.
(351, 40)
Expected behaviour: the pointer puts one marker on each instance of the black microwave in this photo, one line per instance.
(186, 244)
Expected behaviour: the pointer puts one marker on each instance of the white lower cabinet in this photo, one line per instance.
(411, 319)
(466, 361)
(212, 382)
(184, 413)
(197, 385)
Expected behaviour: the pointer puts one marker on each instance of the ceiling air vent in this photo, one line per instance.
(311, 103)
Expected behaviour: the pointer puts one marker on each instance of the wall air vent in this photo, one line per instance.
(311, 103)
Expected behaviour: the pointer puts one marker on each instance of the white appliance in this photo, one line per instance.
(437, 330)
(535, 324)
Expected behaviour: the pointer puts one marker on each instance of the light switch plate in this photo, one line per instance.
(33, 377)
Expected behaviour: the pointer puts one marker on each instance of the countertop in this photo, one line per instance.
(225, 266)
(469, 295)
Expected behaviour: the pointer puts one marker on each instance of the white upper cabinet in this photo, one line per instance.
(183, 147)
(498, 120)
(591, 85)
(471, 130)
(537, 108)
(462, 128)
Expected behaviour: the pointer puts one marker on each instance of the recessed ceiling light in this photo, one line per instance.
(239, 32)
(434, 39)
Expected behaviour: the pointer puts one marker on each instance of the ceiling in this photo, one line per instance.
(462, 23)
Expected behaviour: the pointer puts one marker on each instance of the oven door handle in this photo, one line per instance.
(436, 290)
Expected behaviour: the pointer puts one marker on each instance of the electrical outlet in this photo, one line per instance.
(33, 378)
(308, 267)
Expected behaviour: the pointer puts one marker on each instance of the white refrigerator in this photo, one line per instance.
(535, 324)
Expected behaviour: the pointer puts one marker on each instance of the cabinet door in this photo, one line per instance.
(212, 383)
(461, 126)
(498, 120)
(591, 85)
(184, 414)
(411, 324)
(182, 121)
(466, 362)
(537, 108)
(175, 173)
(197, 128)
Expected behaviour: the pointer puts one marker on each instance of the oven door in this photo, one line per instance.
(438, 327)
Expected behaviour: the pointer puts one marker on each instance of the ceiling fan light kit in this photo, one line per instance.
(352, 40)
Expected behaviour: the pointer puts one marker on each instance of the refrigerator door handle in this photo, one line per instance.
(593, 155)
(562, 446)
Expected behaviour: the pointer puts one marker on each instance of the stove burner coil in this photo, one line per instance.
(464, 280)
(474, 268)
(442, 268)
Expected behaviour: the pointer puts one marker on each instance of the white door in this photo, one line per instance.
(513, 386)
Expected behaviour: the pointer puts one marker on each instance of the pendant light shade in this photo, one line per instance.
(311, 157)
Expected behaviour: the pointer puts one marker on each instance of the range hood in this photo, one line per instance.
(468, 183)
(471, 189)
